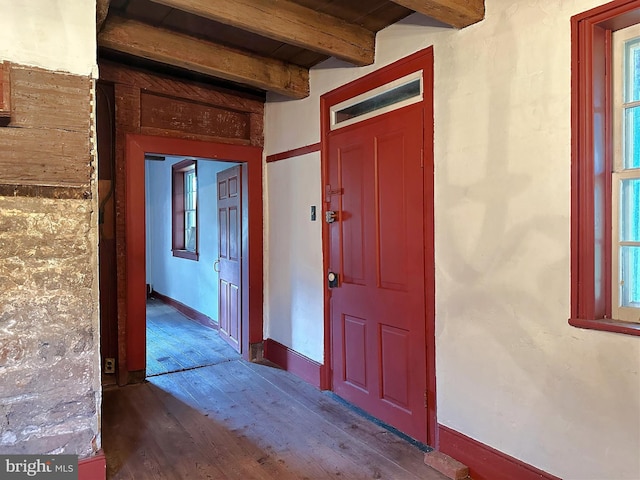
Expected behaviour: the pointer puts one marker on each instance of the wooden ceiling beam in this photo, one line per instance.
(288, 22)
(457, 13)
(171, 48)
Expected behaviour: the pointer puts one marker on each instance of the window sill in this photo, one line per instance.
(185, 254)
(607, 325)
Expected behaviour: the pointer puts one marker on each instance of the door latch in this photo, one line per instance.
(330, 216)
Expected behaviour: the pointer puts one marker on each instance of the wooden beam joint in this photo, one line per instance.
(288, 22)
(457, 13)
(183, 51)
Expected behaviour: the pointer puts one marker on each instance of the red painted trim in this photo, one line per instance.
(591, 163)
(187, 311)
(485, 462)
(606, 325)
(296, 152)
(252, 288)
(421, 60)
(93, 468)
(292, 361)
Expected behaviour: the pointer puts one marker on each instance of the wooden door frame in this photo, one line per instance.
(134, 331)
(422, 60)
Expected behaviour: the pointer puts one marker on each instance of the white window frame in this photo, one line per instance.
(620, 37)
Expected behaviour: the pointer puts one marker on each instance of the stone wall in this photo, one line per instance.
(49, 329)
(47, 306)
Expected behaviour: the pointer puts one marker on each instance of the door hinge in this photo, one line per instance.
(422, 158)
(426, 396)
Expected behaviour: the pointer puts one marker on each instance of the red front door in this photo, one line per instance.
(229, 256)
(376, 247)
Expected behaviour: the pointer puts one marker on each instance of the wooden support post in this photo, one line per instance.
(5, 93)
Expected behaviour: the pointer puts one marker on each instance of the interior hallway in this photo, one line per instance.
(236, 420)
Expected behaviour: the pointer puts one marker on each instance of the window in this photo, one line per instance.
(604, 219)
(625, 254)
(185, 210)
(386, 98)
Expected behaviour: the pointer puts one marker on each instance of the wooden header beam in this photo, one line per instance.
(290, 23)
(457, 13)
(179, 50)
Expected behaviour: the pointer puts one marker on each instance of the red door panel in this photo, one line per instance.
(377, 248)
(229, 238)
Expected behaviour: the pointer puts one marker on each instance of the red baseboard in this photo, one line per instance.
(93, 468)
(187, 311)
(484, 462)
(301, 366)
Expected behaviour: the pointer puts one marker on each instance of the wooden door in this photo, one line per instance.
(376, 246)
(229, 256)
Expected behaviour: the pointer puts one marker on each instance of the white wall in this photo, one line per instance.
(511, 372)
(294, 280)
(192, 283)
(52, 34)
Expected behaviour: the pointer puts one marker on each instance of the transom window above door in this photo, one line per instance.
(386, 98)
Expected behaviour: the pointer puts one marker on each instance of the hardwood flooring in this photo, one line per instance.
(240, 420)
(175, 343)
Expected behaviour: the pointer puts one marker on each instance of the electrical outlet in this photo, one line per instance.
(109, 365)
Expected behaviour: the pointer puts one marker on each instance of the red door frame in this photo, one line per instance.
(251, 158)
(422, 60)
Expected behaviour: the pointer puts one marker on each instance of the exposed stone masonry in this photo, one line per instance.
(48, 327)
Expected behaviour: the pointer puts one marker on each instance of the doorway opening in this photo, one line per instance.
(247, 160)
(187, 237)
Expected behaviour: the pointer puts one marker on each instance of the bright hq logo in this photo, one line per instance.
(50, 467)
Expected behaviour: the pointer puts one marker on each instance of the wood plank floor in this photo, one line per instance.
(175, 343)
(239, 420)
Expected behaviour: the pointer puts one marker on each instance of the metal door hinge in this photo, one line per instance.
(426, 396)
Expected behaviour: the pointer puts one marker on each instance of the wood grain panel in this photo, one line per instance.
(174, 114)
(394, 362)
(32, 156)
(234, 229)
(50, 100)
(391, 212)
(50, 115)
(352, 212)
(355, 351)
(162, 84)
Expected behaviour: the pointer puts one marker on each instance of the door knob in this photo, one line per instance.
(330, 216)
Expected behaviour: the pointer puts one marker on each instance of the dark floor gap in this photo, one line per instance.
(191, 368)
(422, 446)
